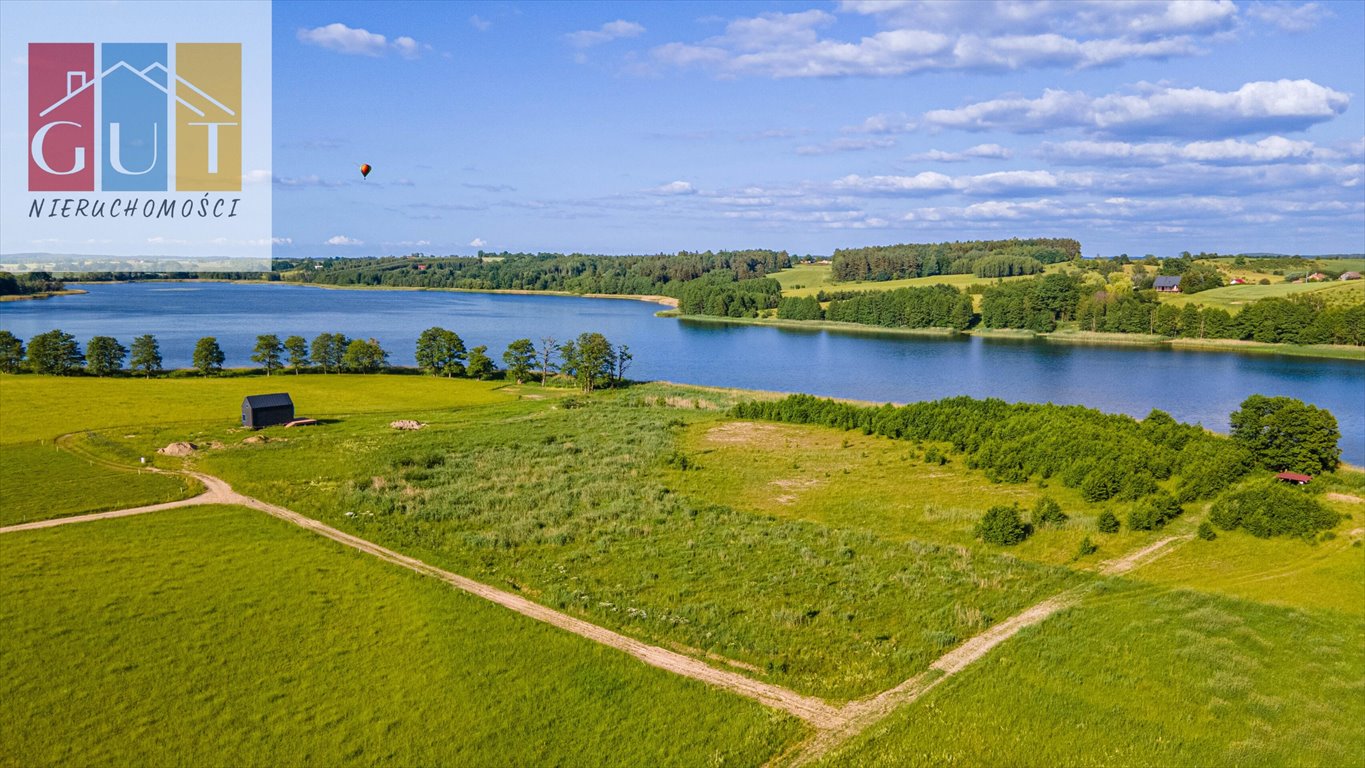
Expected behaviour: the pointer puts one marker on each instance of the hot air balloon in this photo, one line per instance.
(364, 170)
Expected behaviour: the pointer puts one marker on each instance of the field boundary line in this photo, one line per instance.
(834, 725)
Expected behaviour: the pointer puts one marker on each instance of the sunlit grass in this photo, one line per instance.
(1145, 676)
(221, 636)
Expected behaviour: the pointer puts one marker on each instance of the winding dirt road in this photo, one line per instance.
(834, 725)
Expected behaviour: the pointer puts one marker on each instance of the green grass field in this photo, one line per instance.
(36, 407)
(1234, 297)
(39, 482)
(569, 508)
(1287, 572)
(1145, 676)
(221, 636)
(848, 480)
(812, 278)
(830, 562)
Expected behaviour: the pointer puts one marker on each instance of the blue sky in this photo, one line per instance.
(1143, 127)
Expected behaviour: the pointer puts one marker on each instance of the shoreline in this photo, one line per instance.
(667, 301)
(1091, 338)
(43, 295)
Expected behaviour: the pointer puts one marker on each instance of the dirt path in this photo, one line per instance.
(860, 715)
(217, 492)
(834, 725)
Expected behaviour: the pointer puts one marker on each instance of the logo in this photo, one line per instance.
(134, 120)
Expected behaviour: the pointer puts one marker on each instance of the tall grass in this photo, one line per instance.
(568, 506)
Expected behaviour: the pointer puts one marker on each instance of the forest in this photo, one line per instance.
(985, 258)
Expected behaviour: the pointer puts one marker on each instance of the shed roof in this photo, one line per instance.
(1167, 281)
(1293, 477)
(275, 400)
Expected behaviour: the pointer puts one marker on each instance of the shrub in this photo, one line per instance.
(1002, 526)
(1206, 531)
(1267, 508)
(1048, 512)
(1108, 522)
(1153, 513)
(1087, 548)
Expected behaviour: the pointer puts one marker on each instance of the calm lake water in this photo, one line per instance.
(1201, 387)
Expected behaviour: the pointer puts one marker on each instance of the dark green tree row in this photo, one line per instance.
(1105, 456)
(56, 353)
(26, 283)
(1303, 319)
(1037, 304)
(892, 262)
(721, 295)
(576, 273)
(934, 306)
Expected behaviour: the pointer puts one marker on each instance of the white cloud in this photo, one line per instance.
(343, 240)
(1160, 110)
(480, 23)
(933, 36)
(1272, 149)
(407, 47)
(846, 145)
(978, 152)
(361, 42)
(343, 39)
(612, 30)
(928, 182)
(281, 241)
(1289, 17)
(477, 242)
(675, 188)
(307, 181)
(257, 176)
(1074, 17)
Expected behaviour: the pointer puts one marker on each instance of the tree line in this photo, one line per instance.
(28, 283)
(1156, 462)
(894, 262)
(661, 274)
(590, 360)
(1042, 303)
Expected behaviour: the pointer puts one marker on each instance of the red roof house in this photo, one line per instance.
(1293, 477)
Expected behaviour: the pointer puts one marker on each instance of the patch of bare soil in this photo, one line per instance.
(1346, 497)
(408, 424)
(177, 449)
(742, 432)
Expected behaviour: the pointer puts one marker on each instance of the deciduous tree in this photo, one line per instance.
(208, 356)
(104, 356)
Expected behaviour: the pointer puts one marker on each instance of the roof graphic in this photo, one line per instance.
(142, 73)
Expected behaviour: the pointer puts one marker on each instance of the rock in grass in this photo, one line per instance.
(177, 449)
(406, 424)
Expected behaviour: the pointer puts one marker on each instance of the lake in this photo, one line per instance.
(1202, 387)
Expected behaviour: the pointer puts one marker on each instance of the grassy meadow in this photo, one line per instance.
(569, 507)
(1138, 676)
(809, 279)
(851, 481)
(39, 482)
(1233, 297)
(830, 562)
(222, 636)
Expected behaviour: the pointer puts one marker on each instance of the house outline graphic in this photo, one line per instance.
(142, 73)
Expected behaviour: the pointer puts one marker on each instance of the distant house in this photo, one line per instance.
(1316, 277)
(1350, 276)
(1294, 477)
(265, 410)
(1167, 283)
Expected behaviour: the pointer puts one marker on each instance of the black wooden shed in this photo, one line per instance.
(264, 410)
